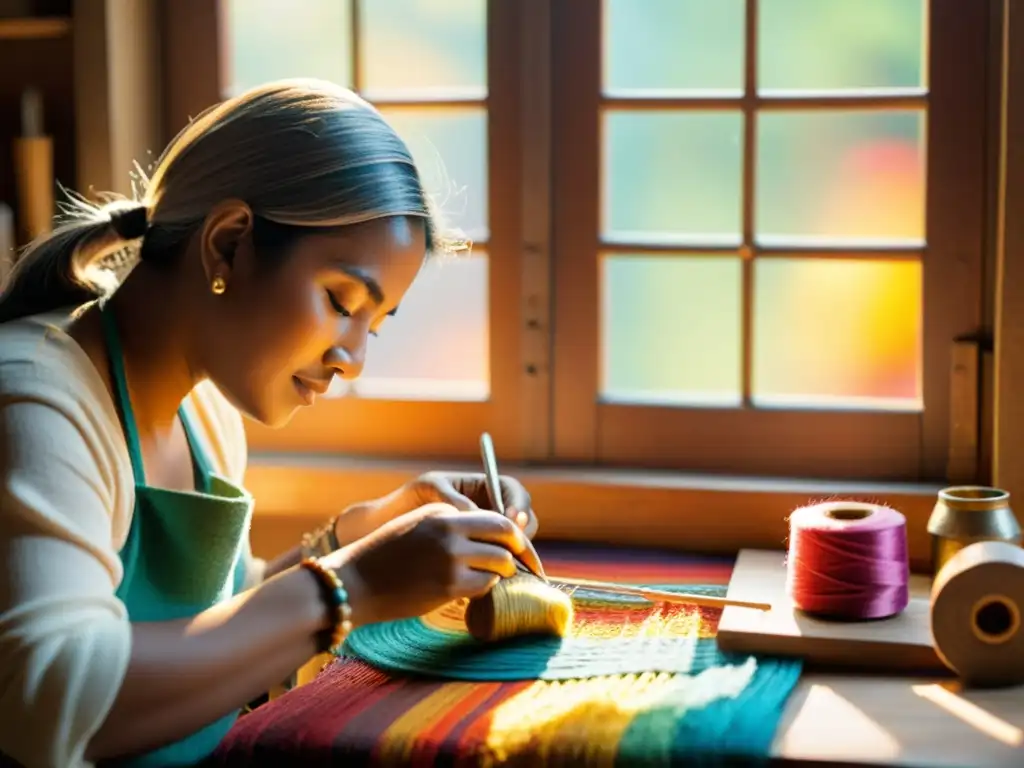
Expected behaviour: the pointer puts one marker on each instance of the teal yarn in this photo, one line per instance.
(412, 646)
(731, 730)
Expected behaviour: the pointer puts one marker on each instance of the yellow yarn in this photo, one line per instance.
(522, 605)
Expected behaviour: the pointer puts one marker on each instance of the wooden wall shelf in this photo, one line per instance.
(34, 28)
(96, 64)
(33, 54)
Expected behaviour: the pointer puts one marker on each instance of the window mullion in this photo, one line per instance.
(355, 45)
(575, 205)
(747, 250)
(536, 290)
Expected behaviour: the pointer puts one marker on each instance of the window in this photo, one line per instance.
(763, 208)
(737, 236)
(429, 385)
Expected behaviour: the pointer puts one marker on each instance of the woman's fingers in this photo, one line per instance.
(514, 494)
(490, 558)
(437, 487)
(525, 520)
(519, 505)
(473, 583)
(531, 559)
(491, 528)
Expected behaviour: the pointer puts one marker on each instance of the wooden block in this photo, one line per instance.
(902, 643)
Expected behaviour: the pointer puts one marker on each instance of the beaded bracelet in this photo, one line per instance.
(337, 598)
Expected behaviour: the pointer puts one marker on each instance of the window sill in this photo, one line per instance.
(700, 513)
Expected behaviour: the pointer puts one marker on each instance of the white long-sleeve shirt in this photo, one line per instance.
(66, 503)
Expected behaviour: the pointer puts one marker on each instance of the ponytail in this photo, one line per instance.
(73, 265)
(300, 153)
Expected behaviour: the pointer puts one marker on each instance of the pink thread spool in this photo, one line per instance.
(848, 560)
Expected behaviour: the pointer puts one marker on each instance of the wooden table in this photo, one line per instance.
(861, 720)
(880, 719)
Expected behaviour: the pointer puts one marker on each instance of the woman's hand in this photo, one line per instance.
(464, 491)
(468, 491)
(423, 559)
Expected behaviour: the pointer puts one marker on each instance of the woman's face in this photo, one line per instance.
(285, 330)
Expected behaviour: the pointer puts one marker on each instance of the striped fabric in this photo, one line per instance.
(354, 714)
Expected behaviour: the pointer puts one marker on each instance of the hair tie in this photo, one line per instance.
(130, 223)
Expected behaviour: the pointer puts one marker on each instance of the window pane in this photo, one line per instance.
(450, 147)
(673, 44)
(418, 46)
(837, 333)
(673, 176)
(841, 44)
(437, 346)
(269, 40)
(671, 330)
(852, 177)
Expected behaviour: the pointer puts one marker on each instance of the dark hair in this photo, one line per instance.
(302, 154)
(73, 265)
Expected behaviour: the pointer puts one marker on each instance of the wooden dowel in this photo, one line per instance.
(658, 595)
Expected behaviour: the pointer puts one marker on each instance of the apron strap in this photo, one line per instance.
(200, 456)
(200, 460)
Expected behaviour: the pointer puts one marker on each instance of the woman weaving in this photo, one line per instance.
(276, 233)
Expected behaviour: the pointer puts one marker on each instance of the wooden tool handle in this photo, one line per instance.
(659, 595)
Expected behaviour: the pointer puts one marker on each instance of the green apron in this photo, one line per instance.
(183, 553)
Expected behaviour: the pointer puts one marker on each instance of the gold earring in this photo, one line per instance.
(218, 286)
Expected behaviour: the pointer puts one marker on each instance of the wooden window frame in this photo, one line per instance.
(1008, 272)
(544, 99)
(377, 427)
(821, 443)
(296, 490)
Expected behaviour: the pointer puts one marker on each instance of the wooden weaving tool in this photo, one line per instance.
(661, 595)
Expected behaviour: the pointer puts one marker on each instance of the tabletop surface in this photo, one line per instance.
(848, 719)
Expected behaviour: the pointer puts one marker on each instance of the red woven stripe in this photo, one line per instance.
(471, 738)
(307, 718)
(361, 734)
(431, 742)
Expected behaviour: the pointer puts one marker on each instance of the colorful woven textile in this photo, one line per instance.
(611, 635)
(720, 710)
